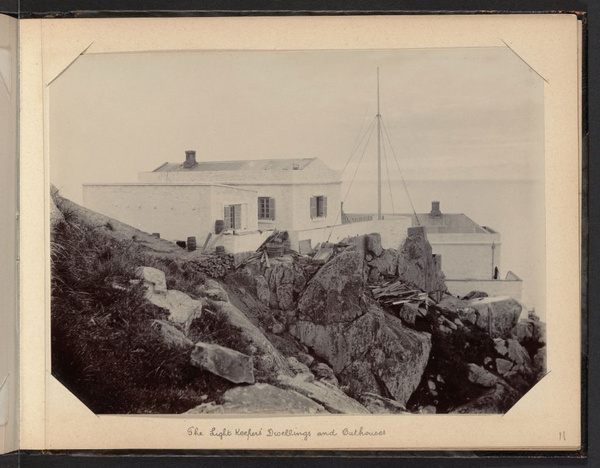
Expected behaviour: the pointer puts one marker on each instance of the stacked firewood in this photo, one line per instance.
(213, 266)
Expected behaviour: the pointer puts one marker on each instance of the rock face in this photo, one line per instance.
(224, 362)
(324, 393)
(384, 264)
(285, 279)
(498, 315)
(270, 358)
(367, 349)
(261, 399)
(416, 264)
(324, 372)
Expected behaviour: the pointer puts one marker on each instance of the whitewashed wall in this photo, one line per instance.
(393, 232)
(467, 256)
(174, 211)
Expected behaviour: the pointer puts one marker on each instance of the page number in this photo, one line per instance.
(562, 435)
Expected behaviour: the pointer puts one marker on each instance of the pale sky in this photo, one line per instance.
(451, 113)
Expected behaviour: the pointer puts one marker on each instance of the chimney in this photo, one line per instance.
(190, 159)
(435, 210)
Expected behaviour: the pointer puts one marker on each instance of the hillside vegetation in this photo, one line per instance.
(104, 347)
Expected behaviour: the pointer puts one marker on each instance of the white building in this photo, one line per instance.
(252, 197)
(470, 253)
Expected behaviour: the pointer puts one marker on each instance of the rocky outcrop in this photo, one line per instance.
(324, 372)
(172, 336)
(260, 399)
(529, 330)
(224, 362)
(377, 404)
(324, 393)
(297, 367)
(334, 294)
(285, 280)
(213, 290)
(497, 400)
(384, 264)
(154, 280)
(373, 244)
(270, 359)
(497, 315)
(367, 349)
(416, 264)
(181, 307)
(479, 376)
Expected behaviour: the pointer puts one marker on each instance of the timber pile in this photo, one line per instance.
(392, 293)
(213, 266)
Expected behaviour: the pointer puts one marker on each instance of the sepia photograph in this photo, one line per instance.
(298, 232)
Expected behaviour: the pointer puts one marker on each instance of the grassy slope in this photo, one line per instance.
(104, 348)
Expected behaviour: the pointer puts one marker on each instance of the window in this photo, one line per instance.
(266, 208)
(318, 207)
(233, 217)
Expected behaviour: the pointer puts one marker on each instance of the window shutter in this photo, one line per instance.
(271, 208)
(237, 219)
(313, 207)
(324, 207)
(227, 217)
(260, 202)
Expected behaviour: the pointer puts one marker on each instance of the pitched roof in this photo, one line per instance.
(248, 165)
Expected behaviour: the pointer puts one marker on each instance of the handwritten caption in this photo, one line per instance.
(250, 433)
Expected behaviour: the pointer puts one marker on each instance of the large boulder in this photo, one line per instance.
(367, 349)
(373, 244)
(285, 279)
(154, 280)
(392, 363)
(224, 362)
(416, 264)
(332, 296)
(497, 315)
(260, 398)
(182, 308)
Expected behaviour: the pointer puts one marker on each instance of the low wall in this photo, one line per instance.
(236, 243)
(512, 288)
(393, 232)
